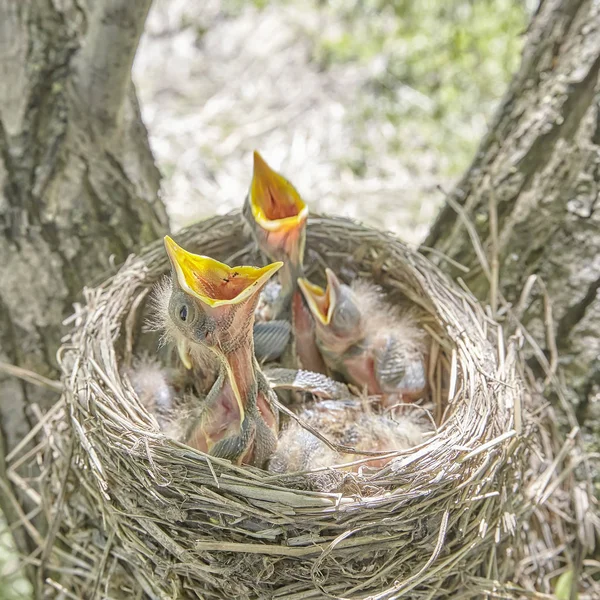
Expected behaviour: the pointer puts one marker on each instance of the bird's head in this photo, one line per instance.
(336, 311)
(211, 303)
(277, 217)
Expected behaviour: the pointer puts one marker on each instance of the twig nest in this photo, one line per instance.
(142, 511)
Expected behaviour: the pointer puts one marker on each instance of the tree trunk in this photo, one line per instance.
(78, 185)
(532, 195)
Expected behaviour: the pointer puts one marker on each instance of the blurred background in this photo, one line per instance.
(367, 106)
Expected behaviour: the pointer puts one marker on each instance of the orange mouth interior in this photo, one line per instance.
(273, 198)
(214, 282)
(266, 197)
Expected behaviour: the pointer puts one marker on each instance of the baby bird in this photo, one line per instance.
(277, 218)
(212, 305)
(155, 387)
(277, 215)
(161, 390)
(346, 423)
(367, 341)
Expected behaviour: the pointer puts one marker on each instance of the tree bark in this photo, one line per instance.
(78, 185)
(532, 195)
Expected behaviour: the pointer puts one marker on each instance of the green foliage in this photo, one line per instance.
(234, 8)
(440, 64)
(562, 590)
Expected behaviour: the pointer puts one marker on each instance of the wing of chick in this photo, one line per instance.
(316, 384)
(400, 367)
(399, 344)
(271, 338)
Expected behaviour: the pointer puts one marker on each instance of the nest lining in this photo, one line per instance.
(143, 514)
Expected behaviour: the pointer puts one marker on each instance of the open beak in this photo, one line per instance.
(321, 301)
(278, 212)
(214, 283)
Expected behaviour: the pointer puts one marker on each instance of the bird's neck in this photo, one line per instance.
(288, 279)
(241, 371)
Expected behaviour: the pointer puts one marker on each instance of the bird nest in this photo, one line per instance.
(135, 512)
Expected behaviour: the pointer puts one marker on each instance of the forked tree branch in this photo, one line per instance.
(104, 64)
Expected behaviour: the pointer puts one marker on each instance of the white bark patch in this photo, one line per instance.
(14, 39)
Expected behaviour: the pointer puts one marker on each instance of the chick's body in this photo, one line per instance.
(210, 308)
(155, 387)
(346, 423)
(276, 217)
(370, 343)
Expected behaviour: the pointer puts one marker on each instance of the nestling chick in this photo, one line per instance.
(155, 387)
(161, 390)
(349, 424)
(367, 341)
(212, 305)
(276, 216)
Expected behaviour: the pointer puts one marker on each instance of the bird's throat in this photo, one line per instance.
(240, 367)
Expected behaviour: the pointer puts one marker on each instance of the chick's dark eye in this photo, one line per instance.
(183, 313)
